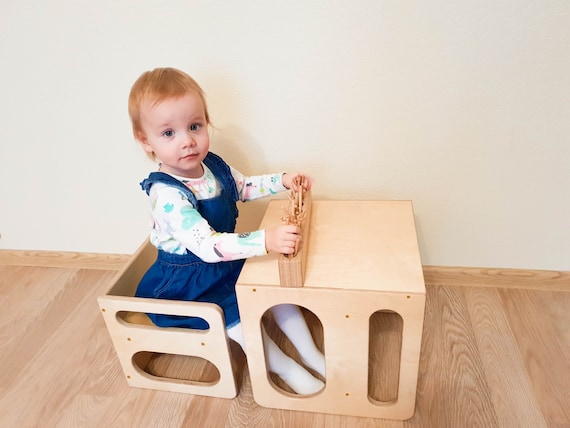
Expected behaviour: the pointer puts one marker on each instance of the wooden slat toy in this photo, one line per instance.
(292, 267)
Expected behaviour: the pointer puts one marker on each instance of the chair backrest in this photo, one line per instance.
(127, 279)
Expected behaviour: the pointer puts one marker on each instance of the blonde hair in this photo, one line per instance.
(156, 86)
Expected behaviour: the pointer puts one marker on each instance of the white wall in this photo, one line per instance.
(461, 106)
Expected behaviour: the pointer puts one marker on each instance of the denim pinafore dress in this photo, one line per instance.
(187, 277)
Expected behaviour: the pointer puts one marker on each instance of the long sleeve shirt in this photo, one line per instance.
(177, 226)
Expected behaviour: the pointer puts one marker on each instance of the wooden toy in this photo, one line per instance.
(361, 262)
(292, 267)
(137, 340)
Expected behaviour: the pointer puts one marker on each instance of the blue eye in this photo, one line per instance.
(169, 133)
(195, 127)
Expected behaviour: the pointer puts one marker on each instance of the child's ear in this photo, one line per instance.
(141, 139)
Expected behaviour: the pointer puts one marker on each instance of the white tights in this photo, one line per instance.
(291, 321)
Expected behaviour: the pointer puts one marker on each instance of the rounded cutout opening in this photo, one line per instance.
(161, 320)
(177, 368)
(271, 322)
(384, 353)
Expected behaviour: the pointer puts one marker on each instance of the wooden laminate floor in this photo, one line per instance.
(492, 356)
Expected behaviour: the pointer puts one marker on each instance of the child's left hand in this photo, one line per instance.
(288, 180)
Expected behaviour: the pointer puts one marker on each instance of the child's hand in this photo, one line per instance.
(288, 180)
(282, 239)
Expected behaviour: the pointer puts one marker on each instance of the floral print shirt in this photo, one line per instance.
(177, 227)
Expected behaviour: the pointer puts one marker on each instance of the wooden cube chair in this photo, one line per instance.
(137, 340)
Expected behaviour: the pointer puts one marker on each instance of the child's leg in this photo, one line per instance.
(292, 373)
(290, 319)
(236, 334)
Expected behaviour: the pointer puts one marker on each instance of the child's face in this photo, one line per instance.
(176, 131)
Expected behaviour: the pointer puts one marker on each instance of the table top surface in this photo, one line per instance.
(367, 245)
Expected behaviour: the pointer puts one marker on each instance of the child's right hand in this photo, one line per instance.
(282, 239)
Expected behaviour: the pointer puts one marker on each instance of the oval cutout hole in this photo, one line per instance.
(274, 332)
(162, 320)
(385, 349)
(174, 367)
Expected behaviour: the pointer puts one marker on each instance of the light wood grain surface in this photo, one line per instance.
(383, 245)
(494, 354)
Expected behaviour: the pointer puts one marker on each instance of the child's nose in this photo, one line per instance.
(189, 140)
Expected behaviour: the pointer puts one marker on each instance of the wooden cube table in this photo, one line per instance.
(362, 259)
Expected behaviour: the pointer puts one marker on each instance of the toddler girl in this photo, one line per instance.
(193, 199)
